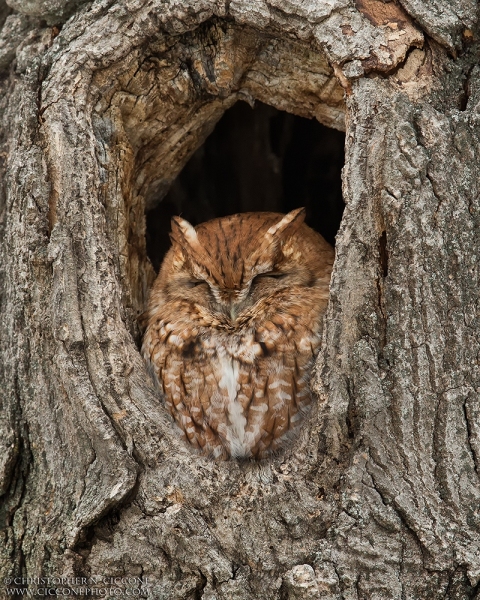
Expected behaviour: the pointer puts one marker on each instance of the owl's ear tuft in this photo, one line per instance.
(287, 225)
(183, 234)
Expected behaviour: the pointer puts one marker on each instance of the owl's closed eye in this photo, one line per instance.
(233, 327)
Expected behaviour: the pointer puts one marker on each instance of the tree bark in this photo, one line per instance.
(102, 104)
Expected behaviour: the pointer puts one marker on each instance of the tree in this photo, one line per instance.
(102, 104)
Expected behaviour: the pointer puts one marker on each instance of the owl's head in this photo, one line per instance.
(229, 264)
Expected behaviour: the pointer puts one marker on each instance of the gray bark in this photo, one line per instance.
(102, 103)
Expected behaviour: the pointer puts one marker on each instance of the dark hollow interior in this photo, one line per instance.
(259, 159)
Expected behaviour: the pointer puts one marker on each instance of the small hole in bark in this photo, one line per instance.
(465, 92)
(256, 160)
(382, 247)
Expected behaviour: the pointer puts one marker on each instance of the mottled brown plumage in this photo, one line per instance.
(233, 326)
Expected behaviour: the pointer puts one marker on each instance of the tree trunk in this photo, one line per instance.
(102, 105)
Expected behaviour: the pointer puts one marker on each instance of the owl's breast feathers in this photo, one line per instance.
(237, 390)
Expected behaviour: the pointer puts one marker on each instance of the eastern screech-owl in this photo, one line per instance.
(233, 326)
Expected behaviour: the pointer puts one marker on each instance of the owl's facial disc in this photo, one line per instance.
(230, 274)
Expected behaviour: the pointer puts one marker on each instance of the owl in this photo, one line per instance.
(234, 323)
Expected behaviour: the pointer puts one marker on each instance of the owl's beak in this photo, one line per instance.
(233, 311)
(233, 307)
(231, 304)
